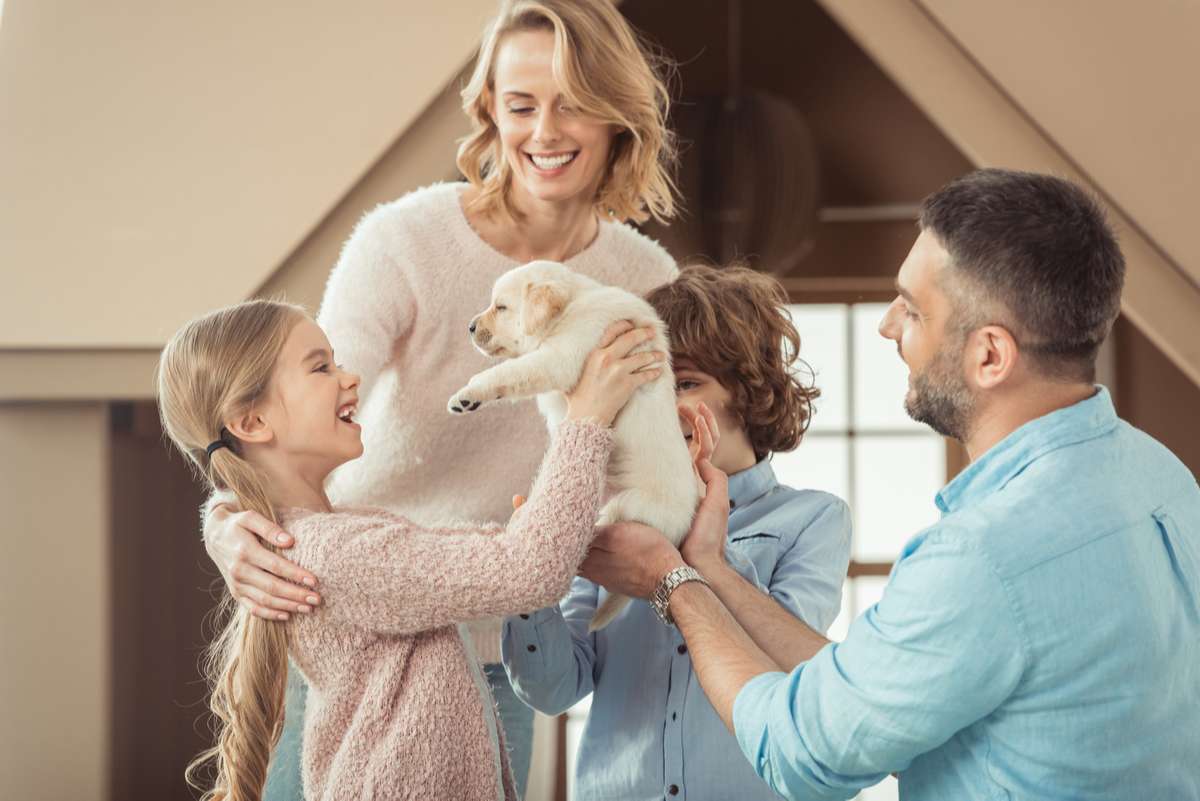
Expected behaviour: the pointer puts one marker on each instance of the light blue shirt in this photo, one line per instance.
(651, 732)
(1042, 641)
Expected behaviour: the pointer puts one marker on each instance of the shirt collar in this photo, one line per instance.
(750, 484)
(1081, 421)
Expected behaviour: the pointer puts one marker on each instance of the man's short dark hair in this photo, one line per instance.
(1038, 248)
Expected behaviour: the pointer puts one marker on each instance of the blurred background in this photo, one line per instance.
(161, 159)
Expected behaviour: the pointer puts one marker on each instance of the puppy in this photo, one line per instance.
(544, 320)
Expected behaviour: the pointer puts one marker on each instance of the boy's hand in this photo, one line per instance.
(705, 436)
(704, 546)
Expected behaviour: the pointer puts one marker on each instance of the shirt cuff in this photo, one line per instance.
(521, 642)
(751, 712)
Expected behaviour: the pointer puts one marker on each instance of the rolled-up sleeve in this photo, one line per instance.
(942, 649)
(809, 577)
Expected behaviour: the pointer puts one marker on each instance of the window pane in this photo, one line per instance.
(867, 592)
(896, 478)
(576, 718)
(886, 790)
(837, 630)
(823, 347)
(880, 377)
(821, 462)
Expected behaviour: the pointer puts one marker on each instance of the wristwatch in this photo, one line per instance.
(661, 598)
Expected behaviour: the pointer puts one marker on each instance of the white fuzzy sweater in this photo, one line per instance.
(396, 311)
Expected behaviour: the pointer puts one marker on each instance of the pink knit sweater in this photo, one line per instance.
(396, 311)
(393, 709)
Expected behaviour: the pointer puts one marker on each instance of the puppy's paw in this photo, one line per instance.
(464, 401)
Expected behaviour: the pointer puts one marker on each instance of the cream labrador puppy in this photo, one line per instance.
(543, 321)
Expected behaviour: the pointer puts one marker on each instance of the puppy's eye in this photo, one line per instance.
(501, 308)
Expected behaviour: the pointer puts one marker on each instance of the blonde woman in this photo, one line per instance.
(570, 143)
(251, 395)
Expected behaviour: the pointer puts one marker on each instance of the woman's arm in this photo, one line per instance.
(368, 306)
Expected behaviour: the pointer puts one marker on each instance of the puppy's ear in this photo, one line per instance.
(542, 305)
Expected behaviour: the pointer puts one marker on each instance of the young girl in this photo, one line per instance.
(251, 395)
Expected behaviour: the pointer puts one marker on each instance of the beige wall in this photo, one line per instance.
(985, 120)
(161, 159)
(1113, 84)
(54, 602)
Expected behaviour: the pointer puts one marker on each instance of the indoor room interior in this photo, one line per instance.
(158, 160)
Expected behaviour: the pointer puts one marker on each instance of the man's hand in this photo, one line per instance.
(258, 579)
(629, 559)
(704, 547)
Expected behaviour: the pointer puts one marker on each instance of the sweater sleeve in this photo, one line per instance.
(395, 576)
(368, 304)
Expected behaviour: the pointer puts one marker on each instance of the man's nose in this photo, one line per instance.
(887, 326)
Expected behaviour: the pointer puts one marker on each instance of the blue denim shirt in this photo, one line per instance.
(1041, 641)
(651, 728)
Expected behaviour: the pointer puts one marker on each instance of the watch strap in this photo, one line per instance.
(661, 598)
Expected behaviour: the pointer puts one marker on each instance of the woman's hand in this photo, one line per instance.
(704, 546)
(612, 373)
(258, 579)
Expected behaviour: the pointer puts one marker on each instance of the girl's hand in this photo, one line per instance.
(258, 579)
(613, 373)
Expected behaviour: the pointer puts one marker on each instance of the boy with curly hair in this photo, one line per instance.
(651, 731)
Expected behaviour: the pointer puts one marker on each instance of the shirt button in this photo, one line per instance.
(531, 648)
(673, 789)
(524, 617)
(673, 716)
(682, 649)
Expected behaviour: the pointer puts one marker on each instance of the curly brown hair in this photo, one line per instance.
(732, 323)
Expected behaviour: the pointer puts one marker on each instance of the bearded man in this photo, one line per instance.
(1042, 640)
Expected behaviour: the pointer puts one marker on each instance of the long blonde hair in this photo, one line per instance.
(607, 73)
(216, 368)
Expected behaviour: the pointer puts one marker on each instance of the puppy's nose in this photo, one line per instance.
(471, 327)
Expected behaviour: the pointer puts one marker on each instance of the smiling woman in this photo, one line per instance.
(567, 100)
(569, 143)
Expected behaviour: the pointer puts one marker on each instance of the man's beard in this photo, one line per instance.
(940, 398)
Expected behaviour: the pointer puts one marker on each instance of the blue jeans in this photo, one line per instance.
(283, 774)
(517, 720)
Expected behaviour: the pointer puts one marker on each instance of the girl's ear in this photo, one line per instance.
(250, 427)
(541, 305)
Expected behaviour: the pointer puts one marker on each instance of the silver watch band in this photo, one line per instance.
(661, 598)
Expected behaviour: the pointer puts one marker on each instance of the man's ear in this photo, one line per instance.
(542, 305)
(992, 356)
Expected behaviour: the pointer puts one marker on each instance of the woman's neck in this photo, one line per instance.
(550, 230)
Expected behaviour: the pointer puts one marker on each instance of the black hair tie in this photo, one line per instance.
(216, 445)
